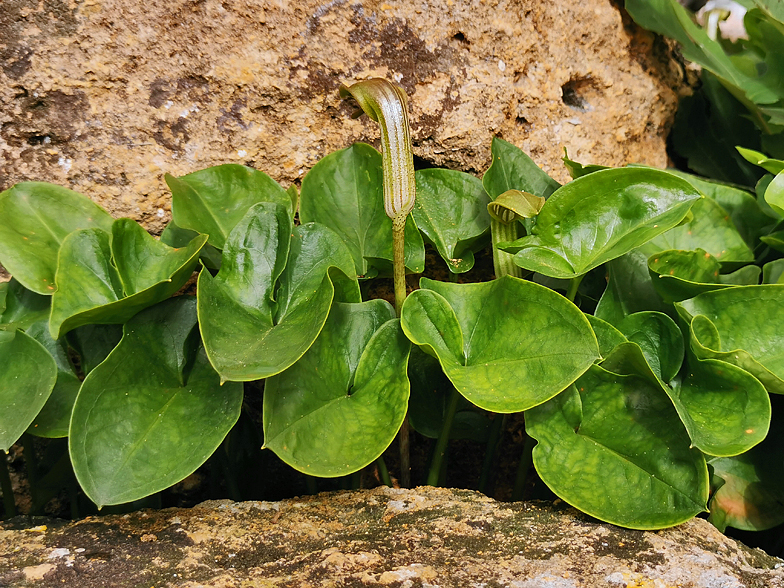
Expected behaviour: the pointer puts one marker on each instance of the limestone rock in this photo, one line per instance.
(428, 537)
(105, 96)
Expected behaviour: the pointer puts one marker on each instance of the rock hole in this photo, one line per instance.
(521, 121)
(573, 91)
(460, 37)
(421, 163)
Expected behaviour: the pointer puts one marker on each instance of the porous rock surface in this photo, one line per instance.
(428, 537)
(105, 96)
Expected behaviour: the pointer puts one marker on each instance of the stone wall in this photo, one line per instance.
(104, 96)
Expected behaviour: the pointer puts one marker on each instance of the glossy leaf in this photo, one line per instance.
(629, 289)
(743, 326)
(711, 230)
(600, 217)
(773, 272)
(751, 495)
(578, 170)
(20, 307)
(769, 164)
(506, 345)
(678, 275)
(93, 343)
(619, 432)
(52, 420)
(213, 200)
(774, 194)
(27, 376)
(451, 212)
(512, 169)
(137, 431)
(174, 236)
(743, 208)
(659, 339)
(103, 279)
(340, 406)
(606, 334)
(36, 218)
(344, 191)
(269, 301)
(774, 240)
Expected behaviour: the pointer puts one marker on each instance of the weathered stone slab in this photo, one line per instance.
(104, 96)
(426, 537)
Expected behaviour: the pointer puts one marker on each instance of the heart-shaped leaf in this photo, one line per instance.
(512, 169)
(176, 237)
(659, 339)
(340, 406)
(344, 191)
(619, 432)
(213, 200)
(27, 376)
(629, 289)
(599, 217)
(137, 431)
(106, 279)
(506, 345)
(750, 496)
(678, 275)
(269, 301)
(711, 230)
(36, 218)
(20, 307)
(607, 335)
(773, 272)
(743, 326)
(451, 211)
(52, 420)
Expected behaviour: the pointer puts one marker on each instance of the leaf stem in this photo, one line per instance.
(503, 262)
(405, 457)
(526, 459)
(493, 443)
(9, 504)
(574, 284)
(399, 264)
(443, 439)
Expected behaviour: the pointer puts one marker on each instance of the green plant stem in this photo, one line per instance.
(405, 459)
(310, 484)
(399, 264)
(443, 439)
(383, 472)
(493, 442)
(522, 469)
(9, 504)
(574, 284)
(503, 262)
(30, 464)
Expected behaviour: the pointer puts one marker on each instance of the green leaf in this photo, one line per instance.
(506, 345)
(578, 170)
(678, 275)
(773, 272)
(52, 420)
(659, 339)
(512, 169)
(269, 301)
(619, 432)
(743, 326)
(36, 218)
(607, 335)
(211, 201)
(770, 165)
(774, 195)
(750, 497)
(600, 217)
(106, 279)
(774, 240)
(344, 191)
(27, 376)
(629, 289)
(21, 307)
(137, 431)
(430, 394)
(340, 406)
(175, 236)
(742, 206)
(711, 230)
(725, 409)
(451, 211)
